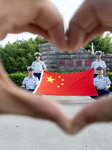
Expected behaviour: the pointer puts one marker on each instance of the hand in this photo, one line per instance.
(99, 111)
(106, 88)
(14, 100)
(92, 18)
(35, 16)
(23, 86)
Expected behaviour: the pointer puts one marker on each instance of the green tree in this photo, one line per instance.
(101, 43)
(18, 56)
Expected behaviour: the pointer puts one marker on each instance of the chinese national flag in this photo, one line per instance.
(73, 84)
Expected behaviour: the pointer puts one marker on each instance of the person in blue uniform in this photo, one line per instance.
(38, 66)
(102, 83)
(30, 82)
(98, 62)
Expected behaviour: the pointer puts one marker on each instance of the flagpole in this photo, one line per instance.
(92, 48)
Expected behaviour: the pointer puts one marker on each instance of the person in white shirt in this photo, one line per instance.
(98, 62)
(102, 83)
(38, 65)
(30, 82)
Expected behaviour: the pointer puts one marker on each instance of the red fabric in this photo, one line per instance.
(73, 84)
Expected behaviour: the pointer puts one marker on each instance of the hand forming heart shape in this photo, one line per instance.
(41, 17)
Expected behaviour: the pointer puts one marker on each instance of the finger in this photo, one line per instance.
(3, 76)
(41, 13)
(35, 29)
(83, 22)
(13, 100)
(24, 103)
(53, 24)
(99, 111)
(95, 32)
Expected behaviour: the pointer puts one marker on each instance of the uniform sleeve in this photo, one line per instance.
(24, 82)
(43, 65)
(32, 65)
(94, 83)
(104, 65)
(108, 81)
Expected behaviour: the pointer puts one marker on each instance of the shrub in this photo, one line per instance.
(17, 77)
(109, 74)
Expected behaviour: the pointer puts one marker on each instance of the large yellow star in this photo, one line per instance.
(50, 79)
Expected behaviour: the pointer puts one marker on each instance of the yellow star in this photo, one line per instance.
(62, 83)
(50, 79)
(59, 76)
(62, 80)
(58, 86)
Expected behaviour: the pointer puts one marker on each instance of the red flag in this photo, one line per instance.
(73, 84)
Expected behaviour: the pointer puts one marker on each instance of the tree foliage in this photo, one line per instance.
(18, 56)
(101, 43)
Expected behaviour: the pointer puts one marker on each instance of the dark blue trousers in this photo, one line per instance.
(37, 75)
(101, 93)
(27, 89)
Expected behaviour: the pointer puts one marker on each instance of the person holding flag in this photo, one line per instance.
(30, 82)
(98, 62)
(102, 83)
(38, 65)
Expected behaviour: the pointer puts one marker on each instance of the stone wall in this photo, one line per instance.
(69, 62)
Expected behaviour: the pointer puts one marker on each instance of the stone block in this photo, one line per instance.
(107, 60)
(53, 49)
(52, 53)
(53, 57)
(52, 61)
(53, 65)
(107, 69)
(52, 69)
(45, 53)
(62, 69)
(66, 56)
(85, 56)
(45, 57)
(43, 49)
(108, 64)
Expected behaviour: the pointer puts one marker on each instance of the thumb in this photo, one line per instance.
(98, 111)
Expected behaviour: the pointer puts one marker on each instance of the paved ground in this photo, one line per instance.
(23, 133)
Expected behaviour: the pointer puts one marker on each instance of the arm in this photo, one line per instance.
(43, 66)
(104, 71)
(13, 100)
(107, 87)
(34, 18)
(23, 83)
(86, 23)
(96, 112)
(23, 86)
(108, 82)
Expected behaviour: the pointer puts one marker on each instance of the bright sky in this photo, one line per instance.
(66, 8)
